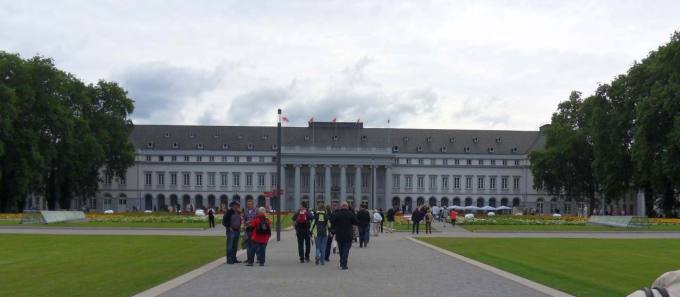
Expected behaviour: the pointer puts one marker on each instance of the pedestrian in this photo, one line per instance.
(343, 221)
(390, 219)
(248, 215)
(232, 222)
(428, 221)
(320, 230)
(377, 222)
(301, 220)
(331, 234)
(453, 215)
(382, 219)
(416, 217)
(364, 219)
(211, 218)
(261, 231)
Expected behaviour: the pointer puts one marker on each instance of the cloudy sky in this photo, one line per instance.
(421, 64)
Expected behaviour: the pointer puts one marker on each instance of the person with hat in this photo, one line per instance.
(232, 222)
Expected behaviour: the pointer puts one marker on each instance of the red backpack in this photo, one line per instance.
(301, 217)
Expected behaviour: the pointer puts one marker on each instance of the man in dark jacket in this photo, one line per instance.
(416, 217)
(302, 221)
(232, 222)
(390, 219)
(364, 218)
(342, 222)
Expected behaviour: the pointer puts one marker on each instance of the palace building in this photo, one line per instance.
(208, 166)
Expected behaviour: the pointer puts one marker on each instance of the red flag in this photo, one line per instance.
(285, 119)
(333, 120)
(358, 120)
(311, 120)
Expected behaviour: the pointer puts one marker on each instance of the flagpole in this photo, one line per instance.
(278, 177)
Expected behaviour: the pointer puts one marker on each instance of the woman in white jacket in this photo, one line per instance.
(377, 219)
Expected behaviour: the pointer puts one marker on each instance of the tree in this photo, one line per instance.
(57, 133)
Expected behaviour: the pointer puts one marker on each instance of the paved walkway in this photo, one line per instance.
(391, 266)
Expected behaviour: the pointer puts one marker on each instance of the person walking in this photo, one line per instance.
(428, 221)
(261, 231)
(342, 223)
(248, 215)
(453, 215)
(301, 220)
(320, 230)
(232, 222)
(416, 217)
(211, 218)
(331, 234)
(364, 219)
(382, 221)
(377, 222)
(390, 219)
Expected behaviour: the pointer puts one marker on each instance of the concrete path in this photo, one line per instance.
(391, 266)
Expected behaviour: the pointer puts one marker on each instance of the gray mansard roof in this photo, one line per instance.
(243, 138)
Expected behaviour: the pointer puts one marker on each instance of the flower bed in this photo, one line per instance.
(522, 220)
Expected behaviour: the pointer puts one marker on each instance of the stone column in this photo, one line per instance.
(312, 186)
(327, 185)
(357, 184)
(388, 187)
(374, 187)
(343, 182)
(298, 191)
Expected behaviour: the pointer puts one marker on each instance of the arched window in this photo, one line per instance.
(432, 201)
(504, 201)
(515, 202)
(539, 205)
(396, 202)
(492, 202)
(468, 201)
(445, 202)
(480, 202)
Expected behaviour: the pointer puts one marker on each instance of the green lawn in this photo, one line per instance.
(582, 267)
(558, 228)
(75, 265)
(193, 225)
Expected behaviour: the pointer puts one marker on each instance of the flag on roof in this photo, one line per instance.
(284, 118)
(311, 120)
(334, 120)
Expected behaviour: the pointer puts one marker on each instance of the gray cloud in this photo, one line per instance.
(158, 87)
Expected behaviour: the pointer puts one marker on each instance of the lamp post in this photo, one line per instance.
(278, 177)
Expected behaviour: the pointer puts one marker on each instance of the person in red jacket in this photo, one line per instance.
(453, 215)
(261, 228)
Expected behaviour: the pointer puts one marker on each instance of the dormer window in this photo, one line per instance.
(452, 139)
(240, 137)
(475, 140)
(395, 148)
(306, 137)
(335, 138)
(467, 149)
(514, 149)
(428, 139)
(225, 146)
(175, 145)
(149, 145)
(167, 135)
(444, 149)
(216, 136)
(405, 139)
(192, 135)
(420, 148)
(275, 147)
(199, 146)
(250, 146)
(265, 137)
(491, 150)
(364, 137)
(499, 140)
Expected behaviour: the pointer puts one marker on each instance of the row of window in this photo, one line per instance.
(444, 181)
(186, 178)
(200, 146)
(187, 158)
(457, 162)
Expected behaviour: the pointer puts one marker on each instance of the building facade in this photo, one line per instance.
(208, 166)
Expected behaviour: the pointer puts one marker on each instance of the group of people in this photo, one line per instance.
(424, 213)
(257, 229)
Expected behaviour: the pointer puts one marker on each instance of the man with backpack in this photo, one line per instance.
(390, 219)
(428, 220)
(364, 218)
(232, 222)
(416, 217)
(320, 229)
(301, 220)
(261, 231)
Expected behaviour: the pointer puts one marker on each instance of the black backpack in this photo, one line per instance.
(263, 228)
